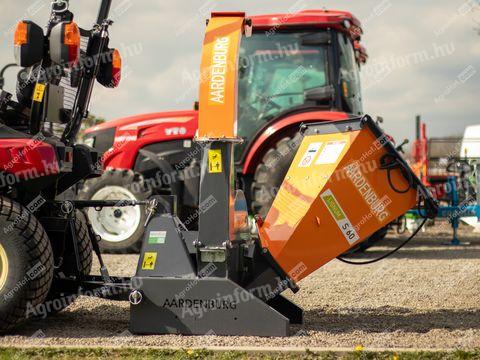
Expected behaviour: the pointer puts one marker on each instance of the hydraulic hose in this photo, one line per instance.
(387, 254)
(389, 162)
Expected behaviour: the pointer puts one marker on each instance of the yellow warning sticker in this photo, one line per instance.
(38, 92)
(214, 161)
(149, 260)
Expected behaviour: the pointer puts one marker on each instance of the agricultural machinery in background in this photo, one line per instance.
(45, 238)
(449, 167)
(295, 69)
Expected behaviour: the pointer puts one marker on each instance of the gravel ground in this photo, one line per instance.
(427, 296)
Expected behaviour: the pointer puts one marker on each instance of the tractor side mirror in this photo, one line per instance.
(65, 44)
(110, 71)
(28, 44)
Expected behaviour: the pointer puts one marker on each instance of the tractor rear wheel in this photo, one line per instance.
(121, 228)
(26, 263)
(271, 171)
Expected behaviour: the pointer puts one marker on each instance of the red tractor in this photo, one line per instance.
(294, 69)
(46, 244)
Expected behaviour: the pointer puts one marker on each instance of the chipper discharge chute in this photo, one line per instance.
(346, 181)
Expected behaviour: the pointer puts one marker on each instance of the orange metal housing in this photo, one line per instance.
(333, 196)
(218, 81)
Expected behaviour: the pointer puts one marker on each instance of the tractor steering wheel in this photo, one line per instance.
(286, 94)
(269, 103)
(266, 101)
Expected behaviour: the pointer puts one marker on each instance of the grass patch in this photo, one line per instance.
(7, 353)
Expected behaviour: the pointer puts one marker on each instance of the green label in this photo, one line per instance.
(333, 207)
(157, 237)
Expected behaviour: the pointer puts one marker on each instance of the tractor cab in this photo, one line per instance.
(298, 63)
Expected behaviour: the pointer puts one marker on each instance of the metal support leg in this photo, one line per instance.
(96, 248)
(455, 223)
(455, 219)
(71, 226)
(287, 308)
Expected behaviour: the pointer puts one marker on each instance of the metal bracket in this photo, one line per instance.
(62, 6)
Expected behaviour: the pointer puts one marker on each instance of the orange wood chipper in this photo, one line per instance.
(345, 182)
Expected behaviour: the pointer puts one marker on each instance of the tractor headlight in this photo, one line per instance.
(110, 69)
(28, 43)
(65, 44)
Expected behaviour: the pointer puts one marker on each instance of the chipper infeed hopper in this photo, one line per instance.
(346, 182)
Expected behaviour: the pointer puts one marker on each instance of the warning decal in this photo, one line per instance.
(310, 154)
(331, 152)
(149, 260)
(157, 237)
(215, 161)
(339, 216)
(38, 92)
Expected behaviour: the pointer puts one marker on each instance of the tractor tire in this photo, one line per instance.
(58, 299)
(26, 263)
(121, 229)
(271, 171)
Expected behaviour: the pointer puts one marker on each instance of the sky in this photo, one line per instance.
(424, 56)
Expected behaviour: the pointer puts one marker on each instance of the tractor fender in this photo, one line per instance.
(26, 159)
(283, 127)
(119, 158)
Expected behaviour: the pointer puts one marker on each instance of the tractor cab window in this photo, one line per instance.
(349, 76)
(275, 71)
